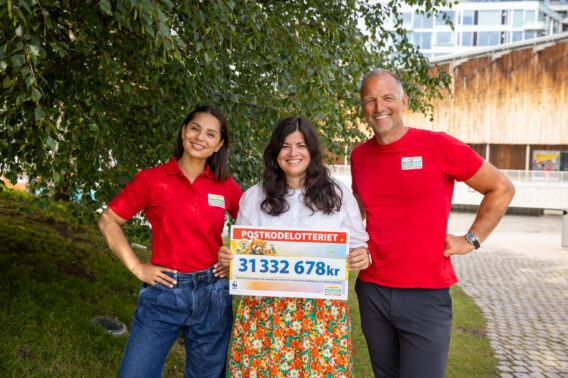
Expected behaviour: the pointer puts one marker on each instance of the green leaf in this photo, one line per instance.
(34, 50)
(164, 29)
(18, 60)
(7, 82)
(105, 7)
(39, 113)
(36, 94)
(150, 30)
(168, 3)
(50, 142)
(29, 81)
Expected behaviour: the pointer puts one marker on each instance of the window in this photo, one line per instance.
(407, 18)
(467, 17)
(440, 17)
(529, 35)
(489, 17)
(423, 40)
(421, 21)
(467, 39)
(517, 36)
(518, 18)
(444, 38)
(529, 16)
(488, 38)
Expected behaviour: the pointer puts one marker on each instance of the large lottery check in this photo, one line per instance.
(289, 263)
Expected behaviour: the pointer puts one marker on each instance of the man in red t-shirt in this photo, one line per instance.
(404, 179)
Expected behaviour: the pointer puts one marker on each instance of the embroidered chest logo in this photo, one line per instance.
(414, 162)
(216, 200)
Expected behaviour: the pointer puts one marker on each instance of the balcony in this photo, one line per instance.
(535, 26)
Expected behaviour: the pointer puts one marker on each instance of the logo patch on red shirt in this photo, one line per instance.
(216, 200)
(414, 162)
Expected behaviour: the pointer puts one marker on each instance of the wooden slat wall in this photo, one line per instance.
(520, 98)
(508, 156)
(480, 149)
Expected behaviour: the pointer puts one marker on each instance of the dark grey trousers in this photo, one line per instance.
(407, 330)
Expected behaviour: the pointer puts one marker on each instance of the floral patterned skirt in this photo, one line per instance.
(291, 337)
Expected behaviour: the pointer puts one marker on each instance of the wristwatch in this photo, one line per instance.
(471, 238)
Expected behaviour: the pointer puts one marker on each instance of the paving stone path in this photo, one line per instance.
(519, 279)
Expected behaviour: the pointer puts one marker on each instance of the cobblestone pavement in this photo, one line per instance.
(519, 279)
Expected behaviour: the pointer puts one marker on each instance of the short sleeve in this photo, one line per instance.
(133, 198)
(247, 206)
(458, 159)
(351, 219)
(234, 193)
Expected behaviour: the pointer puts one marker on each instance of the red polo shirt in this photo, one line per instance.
(187, 219)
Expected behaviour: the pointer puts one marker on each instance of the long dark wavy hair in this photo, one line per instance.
(320, 189)
(218, 161)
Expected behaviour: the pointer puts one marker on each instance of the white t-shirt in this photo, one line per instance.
(299, 216)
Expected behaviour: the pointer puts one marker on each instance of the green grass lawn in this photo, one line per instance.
(57, 275)
(470, 352)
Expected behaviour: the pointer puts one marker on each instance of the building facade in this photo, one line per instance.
(479, 24)
(508, 103)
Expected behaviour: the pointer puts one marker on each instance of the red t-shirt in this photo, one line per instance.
(407, 189)
(187, 219)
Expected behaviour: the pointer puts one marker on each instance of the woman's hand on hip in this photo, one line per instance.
(151, 274)
(224, 256)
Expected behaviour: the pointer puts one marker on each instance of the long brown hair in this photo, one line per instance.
(320, 189)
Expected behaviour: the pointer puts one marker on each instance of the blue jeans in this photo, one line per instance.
(200, 306)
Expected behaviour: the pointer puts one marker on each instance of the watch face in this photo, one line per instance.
(472, 239)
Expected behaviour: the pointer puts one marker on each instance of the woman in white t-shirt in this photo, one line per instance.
(295, 336)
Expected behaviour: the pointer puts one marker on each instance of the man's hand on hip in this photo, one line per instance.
(456, 245)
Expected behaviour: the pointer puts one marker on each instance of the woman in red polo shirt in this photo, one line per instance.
(185, 202)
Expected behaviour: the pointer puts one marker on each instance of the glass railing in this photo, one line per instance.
(512, 174)
(536, 176)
